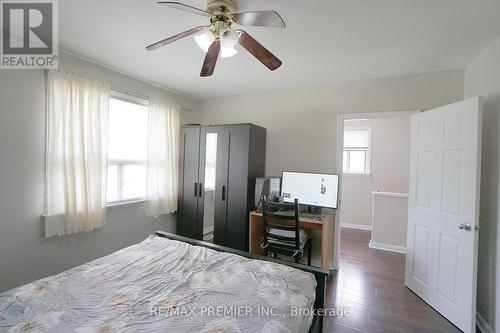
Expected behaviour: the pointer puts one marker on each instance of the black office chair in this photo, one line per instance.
(282, 234)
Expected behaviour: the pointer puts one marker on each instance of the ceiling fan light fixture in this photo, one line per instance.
(226, 52)
(205, 39)
(218, 39)
(229, 38)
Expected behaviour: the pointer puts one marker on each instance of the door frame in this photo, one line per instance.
(341, 117)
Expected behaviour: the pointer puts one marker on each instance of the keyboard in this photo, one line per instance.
(301, 215)
(308, 215)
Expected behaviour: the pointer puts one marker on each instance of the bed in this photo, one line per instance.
(170, 283)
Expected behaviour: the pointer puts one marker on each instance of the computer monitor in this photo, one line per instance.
(314, 189)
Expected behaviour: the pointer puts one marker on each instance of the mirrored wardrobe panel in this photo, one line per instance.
(209, 186)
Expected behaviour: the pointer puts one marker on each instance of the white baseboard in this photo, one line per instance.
(356, 226)
(387, 247)
(483, 326)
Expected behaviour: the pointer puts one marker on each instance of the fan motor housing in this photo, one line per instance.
(221, 7)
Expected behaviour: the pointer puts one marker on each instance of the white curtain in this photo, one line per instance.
(163, 157)
(76, 153)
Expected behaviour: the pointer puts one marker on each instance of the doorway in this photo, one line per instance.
(373, 158)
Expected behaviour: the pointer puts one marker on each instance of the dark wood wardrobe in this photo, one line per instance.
(218, 167)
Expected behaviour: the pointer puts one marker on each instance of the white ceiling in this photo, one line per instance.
(325, 41)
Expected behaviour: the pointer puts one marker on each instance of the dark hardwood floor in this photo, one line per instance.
(370, 285)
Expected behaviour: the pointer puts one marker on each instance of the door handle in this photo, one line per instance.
(223, 193)
(201, 190)
(195, 189)
(465, 226)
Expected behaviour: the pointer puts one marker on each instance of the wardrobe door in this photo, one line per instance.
(221, 188)
(237, 230)
(189, 182)
(213, 177)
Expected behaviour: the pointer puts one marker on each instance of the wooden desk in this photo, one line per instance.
(326, 225)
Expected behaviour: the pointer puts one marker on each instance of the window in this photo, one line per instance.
(356, 151)
(127, 150)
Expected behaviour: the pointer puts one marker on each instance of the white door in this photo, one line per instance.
(443, 212)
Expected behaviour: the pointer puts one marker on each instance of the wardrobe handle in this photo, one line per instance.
(195, 189)
(201, 190)
(223, 193)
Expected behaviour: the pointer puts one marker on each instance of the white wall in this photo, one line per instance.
(24, 254)
(482, 77)
(390, 158)
(301, 123)
(390, 221)
(356, 201)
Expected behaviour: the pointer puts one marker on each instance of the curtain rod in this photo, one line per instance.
(134, 94)
(131, 93)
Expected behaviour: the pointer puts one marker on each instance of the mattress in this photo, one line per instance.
(162, 285)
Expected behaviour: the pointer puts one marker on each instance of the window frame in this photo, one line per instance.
(121, 163)
(367, 150)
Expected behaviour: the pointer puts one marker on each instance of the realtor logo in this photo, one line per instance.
(29, 34)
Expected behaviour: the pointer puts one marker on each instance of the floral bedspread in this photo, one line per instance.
(162, 285)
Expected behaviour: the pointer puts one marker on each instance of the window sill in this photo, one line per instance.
(357, 175)
(124, 204)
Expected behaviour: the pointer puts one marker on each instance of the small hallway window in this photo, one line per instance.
(356, 150)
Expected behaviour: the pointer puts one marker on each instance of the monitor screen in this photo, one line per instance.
(315, 189)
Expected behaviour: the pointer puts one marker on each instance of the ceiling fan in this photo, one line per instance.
(220, 38)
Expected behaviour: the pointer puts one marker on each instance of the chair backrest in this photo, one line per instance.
(282, 216)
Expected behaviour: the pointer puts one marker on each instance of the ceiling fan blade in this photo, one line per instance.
(258, 51)
(174, 38)
(210, 59)
(187, 8)
(261, 19)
